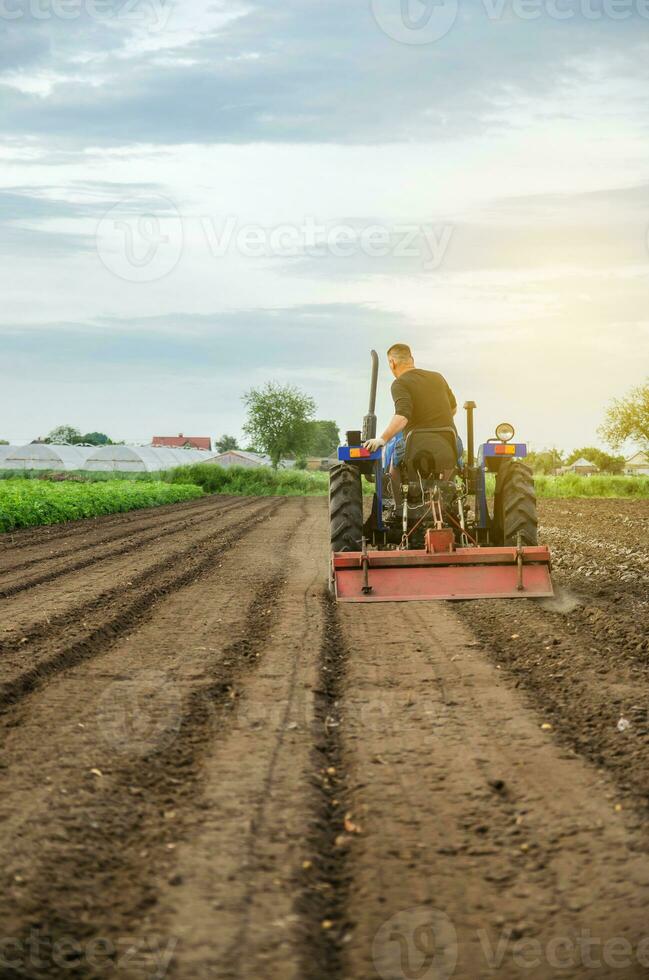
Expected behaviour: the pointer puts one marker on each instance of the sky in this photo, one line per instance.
(199, 197)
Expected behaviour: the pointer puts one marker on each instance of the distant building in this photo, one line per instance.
(182, 442)
(581, 466)
(318, 464)
(240, 457)
(637, 465)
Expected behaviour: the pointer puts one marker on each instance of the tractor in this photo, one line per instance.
(437, 536)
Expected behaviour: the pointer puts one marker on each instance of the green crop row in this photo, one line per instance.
(27, 503)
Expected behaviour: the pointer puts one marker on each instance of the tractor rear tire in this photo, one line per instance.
(515, 505)
(345, 508)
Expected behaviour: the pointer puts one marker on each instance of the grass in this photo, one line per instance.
(572, 485)
(28, 503)
(255, 482)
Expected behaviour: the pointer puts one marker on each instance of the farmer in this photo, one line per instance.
(422, 400)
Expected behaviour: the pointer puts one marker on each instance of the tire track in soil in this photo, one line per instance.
(475, 823)
(261, 811)
(131, 812)
(118, 610)
(136, 539)
(68, 598)
(324, 890)
(258, 822)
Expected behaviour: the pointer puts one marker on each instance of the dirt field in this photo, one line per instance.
(210, 771)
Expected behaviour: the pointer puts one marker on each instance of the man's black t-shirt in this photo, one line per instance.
(425, 399)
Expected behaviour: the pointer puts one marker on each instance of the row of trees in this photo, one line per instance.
(63, 434)
(548, 461)
(626, 420)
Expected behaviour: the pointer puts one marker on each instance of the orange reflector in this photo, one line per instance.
(503, 449)
(356, 453)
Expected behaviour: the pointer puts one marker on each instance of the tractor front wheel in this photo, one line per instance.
(515, 505)
(345, 508)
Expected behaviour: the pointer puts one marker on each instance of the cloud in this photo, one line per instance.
(308, 70)
(35, 220)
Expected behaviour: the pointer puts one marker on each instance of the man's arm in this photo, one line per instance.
(396, 424)
(402, 412)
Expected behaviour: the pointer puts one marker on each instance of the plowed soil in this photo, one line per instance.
(209, 770)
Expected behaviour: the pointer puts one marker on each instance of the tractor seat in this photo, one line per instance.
(430, 454)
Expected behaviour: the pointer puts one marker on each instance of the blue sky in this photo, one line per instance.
(199, 197)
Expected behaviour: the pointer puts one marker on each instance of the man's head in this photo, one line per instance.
(400, 359)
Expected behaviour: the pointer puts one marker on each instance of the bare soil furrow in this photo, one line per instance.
(43, 554)
(210, 770)
(118, 613)
(323, 899)
(584, 669)
(126, 795)
(52, 535)
(62, 606)
(258, 788)
(136, 539)
(477, 828)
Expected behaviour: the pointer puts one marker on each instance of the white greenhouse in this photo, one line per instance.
(41, 456)
(107, 459)
(142, 459)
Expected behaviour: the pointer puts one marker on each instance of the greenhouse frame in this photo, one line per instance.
(118, 459)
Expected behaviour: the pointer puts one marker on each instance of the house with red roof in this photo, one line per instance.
(183, 442)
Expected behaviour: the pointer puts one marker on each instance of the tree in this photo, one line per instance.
(547, 461)
(225, 443)
(324, 437)
(603, 461)
(278, 419)
(4, 442)
(628, 419)
(62, 434)
(95, 439)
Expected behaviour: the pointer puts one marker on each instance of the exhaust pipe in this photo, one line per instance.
(369, 422)
(470, 440)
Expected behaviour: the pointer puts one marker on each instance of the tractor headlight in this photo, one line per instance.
(505, 432)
